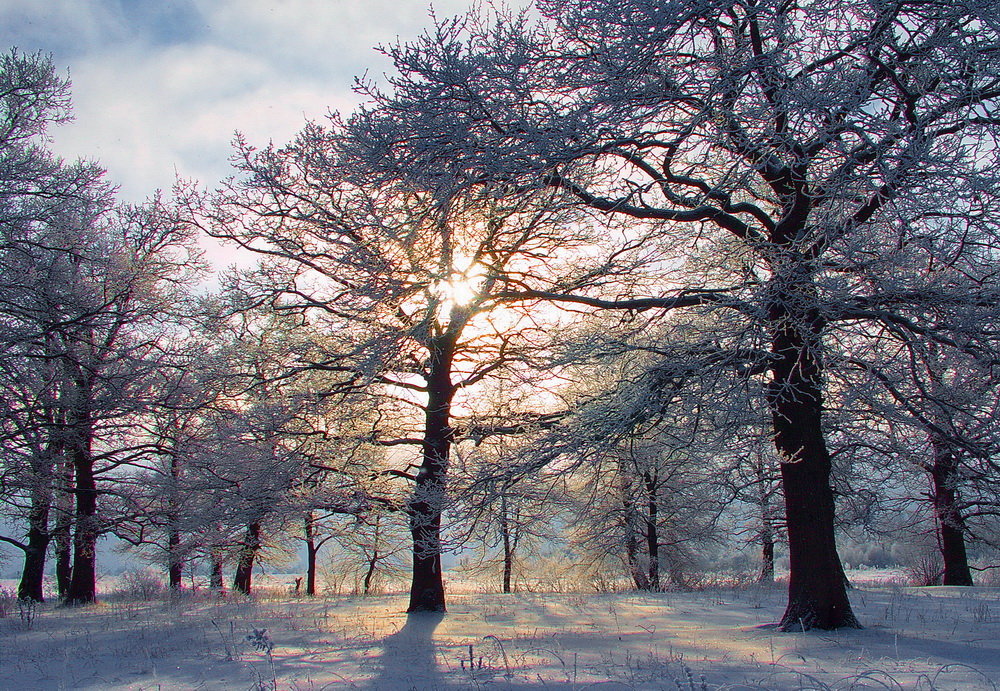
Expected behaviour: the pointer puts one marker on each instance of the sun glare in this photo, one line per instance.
(462, 288)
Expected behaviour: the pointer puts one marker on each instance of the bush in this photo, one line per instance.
(140, 584)
(924, 568)
(8, 601)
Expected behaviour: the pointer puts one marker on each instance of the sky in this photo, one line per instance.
(160, 86)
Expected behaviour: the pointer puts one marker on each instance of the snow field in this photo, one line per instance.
(916, 638)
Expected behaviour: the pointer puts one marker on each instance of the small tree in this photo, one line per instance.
(505, 515)
(940, 407)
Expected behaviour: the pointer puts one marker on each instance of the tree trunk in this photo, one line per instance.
(508, 553)
(175, 564)
(215, 578)
(652, 536)
(373, 557)
(31, 585)
(817, 596)
(311, 552)
(83, 582)
(366, 583)
(32, 580)
(175, 568)
(62, 536)
(766, 528)
(62, 531)
(425, 506)
(639, 575)
(767, 555)
(248, 553)
(33, 572)
(951, 524)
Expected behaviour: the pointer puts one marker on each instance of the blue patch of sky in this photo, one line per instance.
(71, 29)
(164, 23)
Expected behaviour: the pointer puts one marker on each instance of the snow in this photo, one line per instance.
(922, 638)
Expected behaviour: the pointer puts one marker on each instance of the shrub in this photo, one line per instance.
(139, 584)
(924, 568)
(8, 601)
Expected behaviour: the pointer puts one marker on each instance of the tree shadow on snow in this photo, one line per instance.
(408, 656)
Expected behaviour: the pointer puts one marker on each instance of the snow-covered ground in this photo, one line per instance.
(925, 638)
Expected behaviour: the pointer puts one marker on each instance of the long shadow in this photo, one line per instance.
(408, 656)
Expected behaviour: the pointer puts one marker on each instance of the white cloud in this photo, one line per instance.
(331, 34)
(146, 114)
(151, 100)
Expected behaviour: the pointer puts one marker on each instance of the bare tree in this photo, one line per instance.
(42, 199)
(823, 146)
(403, 285)
(937, 409)
(503, 514)
(163, 495)
(753, 479)
(342, 485)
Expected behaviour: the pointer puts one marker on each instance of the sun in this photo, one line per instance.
(462, 288)
(460, 291)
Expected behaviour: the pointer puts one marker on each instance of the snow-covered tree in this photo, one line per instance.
(933, 411)
(409, 289)
(819, 151)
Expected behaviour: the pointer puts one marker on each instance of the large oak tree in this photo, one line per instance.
(817, 148)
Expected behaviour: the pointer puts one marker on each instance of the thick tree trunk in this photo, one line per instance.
(216, 581)
(175, 568)
(83, 582)
(427, 584)
(817, 596)
(652, 535)
(311, 553)
(244, 565)
(817, 592)
(951, 524)
(426, 504)
(175, 564)
(62, 531)
(62, 536)
(30, 586)
(639, 575)
(44, 470)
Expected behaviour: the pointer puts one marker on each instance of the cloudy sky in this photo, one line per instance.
(159, 86)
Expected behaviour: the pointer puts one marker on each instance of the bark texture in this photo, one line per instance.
(83, 581)
(33, 571)
(242, 580)
(817, 595)
(950, 522)
(427, 502)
